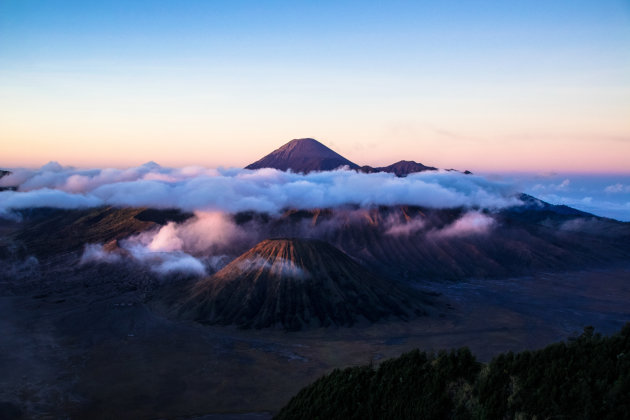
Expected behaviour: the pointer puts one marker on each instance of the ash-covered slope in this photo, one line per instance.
(303, 155)
(298, 283)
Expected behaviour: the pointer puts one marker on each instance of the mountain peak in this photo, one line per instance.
(406, 167)
(303, 155)
(297, 283)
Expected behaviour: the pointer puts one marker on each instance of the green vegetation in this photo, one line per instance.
(586, 378)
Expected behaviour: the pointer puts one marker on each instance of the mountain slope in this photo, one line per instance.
(297, 283)
(303, 155)
(416, 243)
(400, 168)
(47, 232)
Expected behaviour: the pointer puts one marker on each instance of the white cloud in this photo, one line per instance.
(471, 223)
(617, 188)
(96, 253)
(159, 262)
(234, 190)
(45, 197)
(396, 227)
(561, 186)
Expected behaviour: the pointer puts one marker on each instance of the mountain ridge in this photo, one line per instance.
(308, 155)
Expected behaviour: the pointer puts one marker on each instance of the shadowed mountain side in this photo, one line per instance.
(422, 244)
(303, 155)
(45, 232)
(295, 284)
(400, 242)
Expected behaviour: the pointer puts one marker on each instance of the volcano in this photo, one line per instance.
(308, 155)
(295, 284)
(400, 169)
(303, 155)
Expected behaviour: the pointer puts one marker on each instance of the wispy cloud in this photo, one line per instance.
(471, 223)
(617, 188)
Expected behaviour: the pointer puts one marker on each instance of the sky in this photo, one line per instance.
(489, 86)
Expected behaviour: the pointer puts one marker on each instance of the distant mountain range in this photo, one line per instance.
(308, 155)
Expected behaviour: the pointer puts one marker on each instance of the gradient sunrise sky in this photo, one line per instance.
(482, 85)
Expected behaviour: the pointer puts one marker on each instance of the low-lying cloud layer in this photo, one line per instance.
(234, 190)
(160, 262)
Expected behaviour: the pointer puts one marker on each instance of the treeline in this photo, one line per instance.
(585, 378)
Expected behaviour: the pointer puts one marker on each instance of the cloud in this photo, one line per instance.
(395, 227)
(235, 190)
(583, 224)
(471, 223)
(204, 233)
(617, 188)
(45, 197)
(96, 253)
(195, 246)
(164, 263)
(561, 186)
(279, 266)
(564, 185)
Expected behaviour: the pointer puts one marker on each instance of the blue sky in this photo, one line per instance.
(486, 85)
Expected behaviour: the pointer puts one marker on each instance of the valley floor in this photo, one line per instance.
(80, 352)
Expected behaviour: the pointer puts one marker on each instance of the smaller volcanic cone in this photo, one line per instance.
(303, 155)
(297, 283)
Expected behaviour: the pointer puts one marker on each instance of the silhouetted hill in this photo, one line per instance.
(586, 378)
(400, 169)
(298, 283)
(303, 155)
